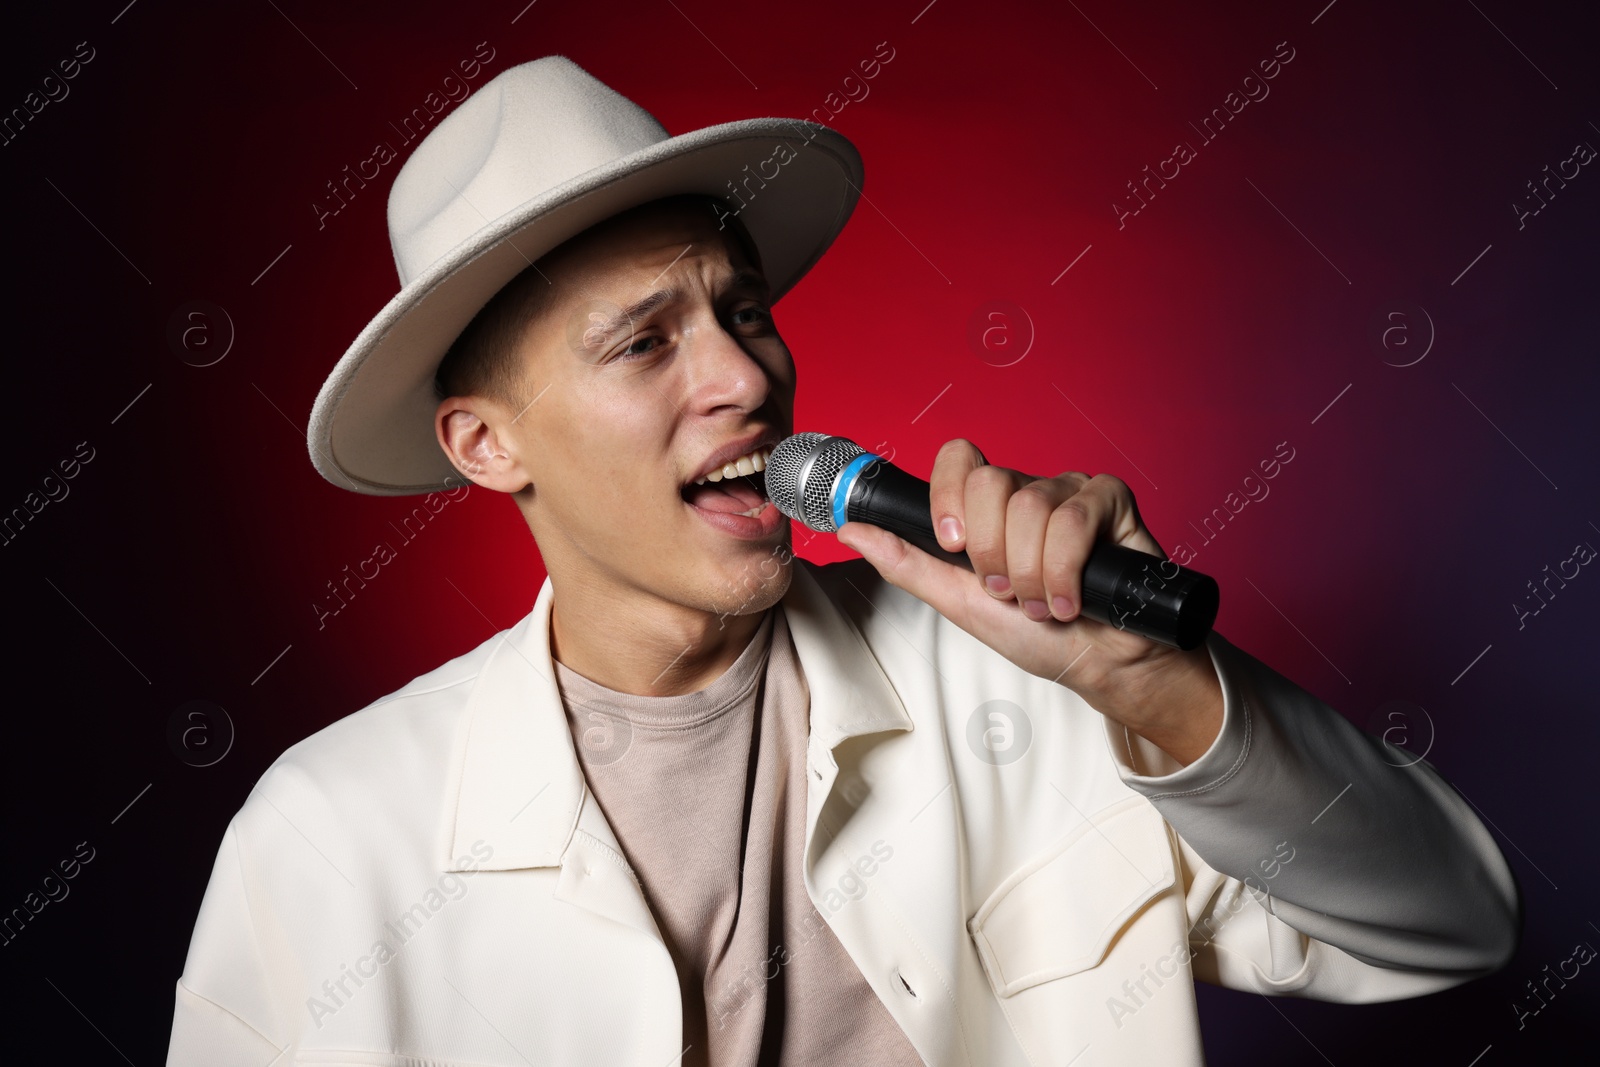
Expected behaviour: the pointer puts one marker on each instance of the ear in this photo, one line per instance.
(467, 430)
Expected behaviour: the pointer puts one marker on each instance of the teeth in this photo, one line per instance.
(749, 463)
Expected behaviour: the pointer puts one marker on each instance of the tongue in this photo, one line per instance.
(728, 495)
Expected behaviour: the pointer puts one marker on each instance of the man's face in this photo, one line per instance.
(620, 423)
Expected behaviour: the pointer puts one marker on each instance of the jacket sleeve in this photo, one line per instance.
(224, 1010)
(1317, 860)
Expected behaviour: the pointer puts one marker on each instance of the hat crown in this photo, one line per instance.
(524, 133)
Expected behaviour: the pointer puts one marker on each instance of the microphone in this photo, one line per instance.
(823, 482)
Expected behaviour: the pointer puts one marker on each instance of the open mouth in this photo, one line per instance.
(730, 491)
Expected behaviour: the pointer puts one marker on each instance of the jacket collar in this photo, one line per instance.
(522, 789)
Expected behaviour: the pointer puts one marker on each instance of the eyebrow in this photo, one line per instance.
(743, 279)
(638, 310)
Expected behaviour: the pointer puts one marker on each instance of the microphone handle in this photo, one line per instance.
(1122, 587)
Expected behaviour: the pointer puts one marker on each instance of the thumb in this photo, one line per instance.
(941, 584)
(877, 546)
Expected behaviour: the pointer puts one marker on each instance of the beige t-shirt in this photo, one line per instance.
(706, 793)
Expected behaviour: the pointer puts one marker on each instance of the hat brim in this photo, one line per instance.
(371, 427)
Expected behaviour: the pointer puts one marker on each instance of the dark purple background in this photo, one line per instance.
(1233, 313)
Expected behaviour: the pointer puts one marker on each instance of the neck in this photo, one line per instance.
(654, 649)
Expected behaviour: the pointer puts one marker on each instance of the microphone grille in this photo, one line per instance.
(784, 469)
(801, 473)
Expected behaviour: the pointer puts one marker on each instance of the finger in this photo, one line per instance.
(1069, 538)
(1028, 513)
(987, 493)
(1103, 509)
(947, 490)
(1122, 524)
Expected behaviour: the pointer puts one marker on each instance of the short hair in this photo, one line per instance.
(482, 361)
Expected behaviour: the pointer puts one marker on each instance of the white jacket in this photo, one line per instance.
(429, 882)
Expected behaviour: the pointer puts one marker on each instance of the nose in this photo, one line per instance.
(723, 374)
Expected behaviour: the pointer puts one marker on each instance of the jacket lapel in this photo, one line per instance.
(850, 694)
(522, 788)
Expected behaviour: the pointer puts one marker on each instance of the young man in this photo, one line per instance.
(709, 803)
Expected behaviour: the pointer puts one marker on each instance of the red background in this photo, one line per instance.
(1232, 314)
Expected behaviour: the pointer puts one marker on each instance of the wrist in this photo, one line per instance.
(1174, 701)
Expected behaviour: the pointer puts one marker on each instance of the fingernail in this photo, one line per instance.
(949, 529)
(998, 584)
(1036, 610)
(1062, 606)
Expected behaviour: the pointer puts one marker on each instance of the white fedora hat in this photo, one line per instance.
(534, 157)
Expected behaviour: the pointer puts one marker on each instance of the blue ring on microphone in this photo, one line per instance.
(847, 479)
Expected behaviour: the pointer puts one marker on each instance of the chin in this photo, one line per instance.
(755, 586)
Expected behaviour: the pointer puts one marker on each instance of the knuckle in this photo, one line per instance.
(1072, 514)
(945, 494)
(956, 446)
(1059, 574)
(1032, 499)
(1026, 575)
(987, 478)
(985, 545)
(1111, 482)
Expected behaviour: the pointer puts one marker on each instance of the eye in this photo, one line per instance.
(633, 350)
(760, 315)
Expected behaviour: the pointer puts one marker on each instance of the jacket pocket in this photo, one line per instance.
(1060, 914)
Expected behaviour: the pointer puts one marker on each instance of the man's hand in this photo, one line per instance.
(1028, 539)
